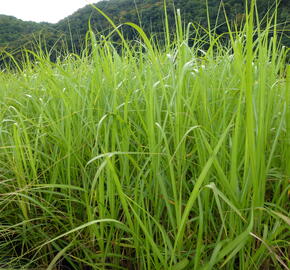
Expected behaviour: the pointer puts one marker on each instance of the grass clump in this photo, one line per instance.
(148, 158)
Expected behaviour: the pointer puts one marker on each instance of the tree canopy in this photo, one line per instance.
(149, 14)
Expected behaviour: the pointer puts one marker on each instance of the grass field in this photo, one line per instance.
(173, 158)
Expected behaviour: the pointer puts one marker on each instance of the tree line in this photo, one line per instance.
(70, 32)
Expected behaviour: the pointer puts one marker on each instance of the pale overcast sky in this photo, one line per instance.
(41, 10)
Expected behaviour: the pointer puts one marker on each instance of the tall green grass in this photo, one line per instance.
(173, 158)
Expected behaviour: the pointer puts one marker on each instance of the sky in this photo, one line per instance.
(41, 10)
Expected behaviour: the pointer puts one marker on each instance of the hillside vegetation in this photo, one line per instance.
(148, 157)
(70, 32)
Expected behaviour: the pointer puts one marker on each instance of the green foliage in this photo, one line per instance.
(15, 33)
(149, 14)
(164, 159)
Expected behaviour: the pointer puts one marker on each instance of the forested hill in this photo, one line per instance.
(150, 15)
(15, 33)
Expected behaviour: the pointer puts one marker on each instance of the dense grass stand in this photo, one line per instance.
(154, 157)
